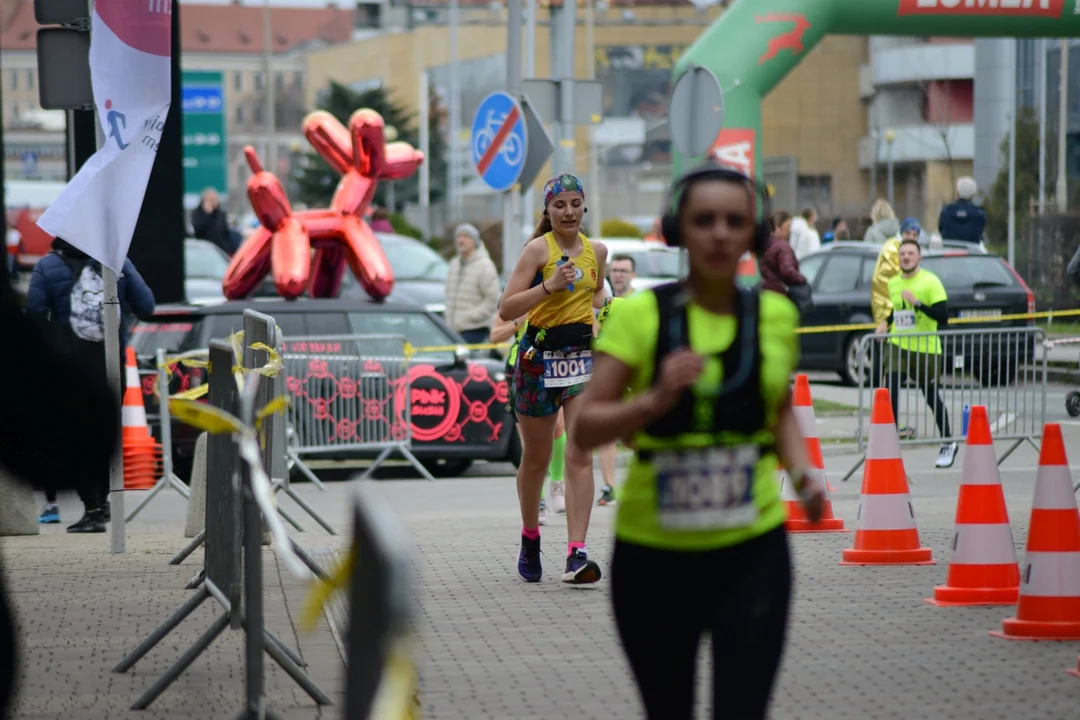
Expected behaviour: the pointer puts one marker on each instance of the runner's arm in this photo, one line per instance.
(520, 295)
(938, 312)
(601, 252)
(790, 446)
(503, 330)
(604, 416)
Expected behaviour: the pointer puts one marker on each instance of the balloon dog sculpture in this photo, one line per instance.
(283, 242)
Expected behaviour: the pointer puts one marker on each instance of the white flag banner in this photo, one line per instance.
(131, 74)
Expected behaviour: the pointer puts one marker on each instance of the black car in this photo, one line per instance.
(978, 284)
(448, 392)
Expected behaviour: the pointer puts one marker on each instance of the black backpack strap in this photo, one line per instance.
(673, 330)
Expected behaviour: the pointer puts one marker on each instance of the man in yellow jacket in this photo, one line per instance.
(887, 267)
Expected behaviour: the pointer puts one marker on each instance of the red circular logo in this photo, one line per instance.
(477, 372)
(347, 386)
(145, 26)
(434, 403)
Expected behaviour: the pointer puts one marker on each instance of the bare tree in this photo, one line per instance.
(936, 105)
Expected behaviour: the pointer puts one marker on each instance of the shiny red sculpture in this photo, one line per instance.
(283, 242)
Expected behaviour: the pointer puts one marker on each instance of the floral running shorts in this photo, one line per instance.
(529, 395)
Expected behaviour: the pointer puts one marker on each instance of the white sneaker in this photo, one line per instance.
(558, 497)
(543, 512)
(946, 455)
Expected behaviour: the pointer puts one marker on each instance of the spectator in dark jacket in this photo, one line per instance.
(963, 219)
(49, 298)
(63, 434)
(779, 267)
(211, 223)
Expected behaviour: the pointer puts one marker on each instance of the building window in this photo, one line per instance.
(30, 79)
(298, 81)
(258, 115)
(238, 81)
(239, 114)
(279, 82)
(258, 81)
(13, 80)
(814, 191)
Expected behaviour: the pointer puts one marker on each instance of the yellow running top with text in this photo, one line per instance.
(566, 306)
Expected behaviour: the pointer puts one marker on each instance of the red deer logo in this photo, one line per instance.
(790, 40)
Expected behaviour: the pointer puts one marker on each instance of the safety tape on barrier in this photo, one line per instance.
(411, 350)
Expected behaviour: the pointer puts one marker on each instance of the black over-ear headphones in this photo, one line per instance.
(669, 221)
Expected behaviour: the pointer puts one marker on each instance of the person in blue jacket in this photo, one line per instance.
(49, 297)
(963, 219)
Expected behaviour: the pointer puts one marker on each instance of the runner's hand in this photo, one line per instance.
(812, 496)
(882, 328)
(563, 276)
(679, 371)
(909, 297)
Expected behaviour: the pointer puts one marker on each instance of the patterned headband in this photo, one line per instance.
(561, 184)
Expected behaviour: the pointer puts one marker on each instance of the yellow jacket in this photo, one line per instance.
(888, 265)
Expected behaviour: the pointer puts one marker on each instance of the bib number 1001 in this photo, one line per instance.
(566, 369)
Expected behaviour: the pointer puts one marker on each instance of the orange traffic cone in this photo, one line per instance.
(797, 521)
(885, 533)
(142, 454)
(983, 569)
(1049, 605)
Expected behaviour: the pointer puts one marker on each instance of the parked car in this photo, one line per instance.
(457, 403)
(654, 263)
(978, 283)
(419, 273)
(204, 269)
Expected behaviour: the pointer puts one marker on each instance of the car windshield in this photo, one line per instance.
(968, 271)
(419, 330)
(654, 263)
(413, 260)
(203, 260)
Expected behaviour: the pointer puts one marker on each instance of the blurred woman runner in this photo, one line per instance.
(501, 331)
(554, 363)
(708, 413)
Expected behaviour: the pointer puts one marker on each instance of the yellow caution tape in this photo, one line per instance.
(204, 417)
(276, 405)
(397, 697)
(322, 590)
(192, 393)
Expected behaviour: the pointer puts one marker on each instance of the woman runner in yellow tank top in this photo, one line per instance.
(557, 283)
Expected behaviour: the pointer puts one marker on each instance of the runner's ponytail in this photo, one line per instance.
(543, 228)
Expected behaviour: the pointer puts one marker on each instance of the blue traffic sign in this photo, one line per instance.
(201, 99)
(499, 141)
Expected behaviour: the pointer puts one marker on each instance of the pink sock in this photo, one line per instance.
(570, 547)
(531, 533)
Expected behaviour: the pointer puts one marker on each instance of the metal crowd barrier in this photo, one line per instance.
(351, 394)
(238, 501)
(168, 477)
(997, 368)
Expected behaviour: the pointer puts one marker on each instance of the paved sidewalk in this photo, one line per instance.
(80, 610)
(863, 643)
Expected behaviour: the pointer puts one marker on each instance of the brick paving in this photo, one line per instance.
(863, 643)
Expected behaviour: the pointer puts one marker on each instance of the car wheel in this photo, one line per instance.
(447, 468)
(850, 373)
(1072, 404)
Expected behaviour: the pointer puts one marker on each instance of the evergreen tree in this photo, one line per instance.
(317, 180)
(1027, 180)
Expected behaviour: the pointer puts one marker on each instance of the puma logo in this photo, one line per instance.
(791, 40)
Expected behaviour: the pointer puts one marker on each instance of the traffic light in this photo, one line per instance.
(63, 55)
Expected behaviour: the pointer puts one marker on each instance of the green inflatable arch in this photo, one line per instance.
(753, 45)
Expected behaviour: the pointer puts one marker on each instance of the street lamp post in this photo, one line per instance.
(890, 137)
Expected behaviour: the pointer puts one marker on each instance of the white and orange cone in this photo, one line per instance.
(1049, 604)
(885, 533)
(142, 453)
(797, 522)
(983, 569)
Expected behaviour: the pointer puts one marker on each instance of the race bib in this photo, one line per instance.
(567, 369)
(706, 489)
(903, 319)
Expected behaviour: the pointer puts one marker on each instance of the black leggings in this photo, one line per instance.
(740, 595)
(931, 390)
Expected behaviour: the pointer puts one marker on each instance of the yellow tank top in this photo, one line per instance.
(568, 306)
